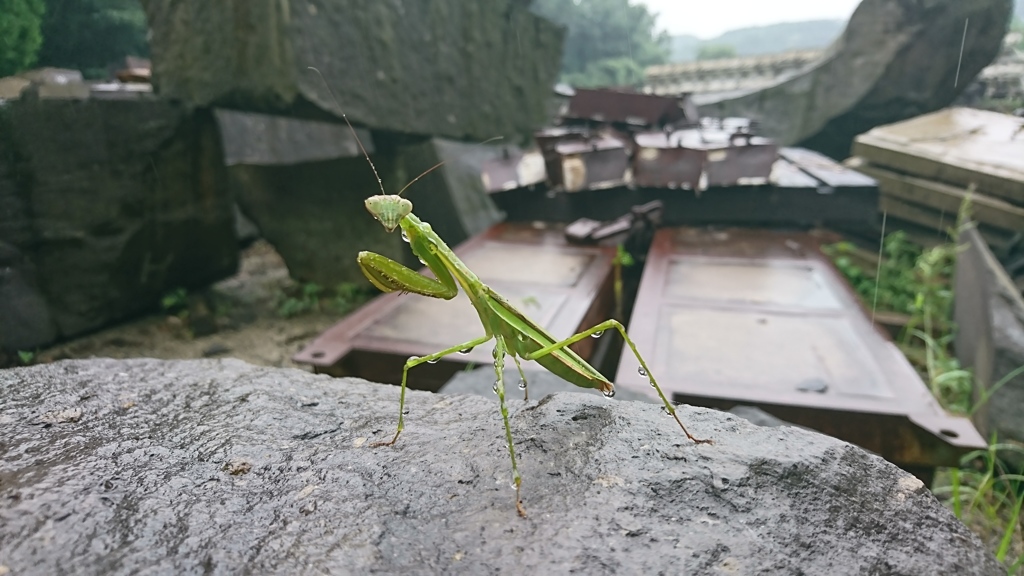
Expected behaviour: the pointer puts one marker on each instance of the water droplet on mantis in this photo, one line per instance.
(641, 371)
(597, 334)
(522, 384)
(433, 361)
(465, 351)
(653, 385)
(405, 237)
(609, 393)
(495, 387)
(413, 358)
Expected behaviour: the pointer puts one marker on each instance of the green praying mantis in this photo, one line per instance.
(514, 333)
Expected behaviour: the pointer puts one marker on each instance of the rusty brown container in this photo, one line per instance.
(761, 318)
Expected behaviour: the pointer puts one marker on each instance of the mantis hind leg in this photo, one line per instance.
(607, 324)
(414, 361)
(499, 387)
(522, 379)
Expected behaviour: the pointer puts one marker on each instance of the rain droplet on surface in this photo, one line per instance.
(465, 351)
(433, 361)
(413, 358)
(641, 371)
(522, 384)
(495, 387)
(597, 334)
(609, 393)
(405, 237)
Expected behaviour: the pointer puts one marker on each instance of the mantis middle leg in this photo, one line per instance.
(416, 361)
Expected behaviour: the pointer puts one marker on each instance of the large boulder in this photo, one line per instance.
(308, 201)
(114, 203)
(456, 68)
(895, 60)
(219, 467)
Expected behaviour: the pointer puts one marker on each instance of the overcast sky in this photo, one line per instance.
(709, 18)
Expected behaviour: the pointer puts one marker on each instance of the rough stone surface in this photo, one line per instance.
(221, 467)
(124, 200)
(455, 68)
(896, 59)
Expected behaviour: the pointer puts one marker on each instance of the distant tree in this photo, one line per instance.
(608, 72)
(607, 41)
(20, 37)
(89, 35)
(715, 52)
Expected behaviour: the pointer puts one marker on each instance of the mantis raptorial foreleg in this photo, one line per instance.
(499, 389)
(645, 371)
(416, 361)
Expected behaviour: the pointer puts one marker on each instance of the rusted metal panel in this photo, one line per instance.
(564, 288)
(631, 109)
(761, 318)
(792, 196)
(596, 163)
(515, 168)
(662, 161)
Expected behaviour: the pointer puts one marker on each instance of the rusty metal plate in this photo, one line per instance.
(762, 318)
(629, 108)
(564, 288)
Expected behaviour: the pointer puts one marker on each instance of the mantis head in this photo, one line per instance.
(389, 209)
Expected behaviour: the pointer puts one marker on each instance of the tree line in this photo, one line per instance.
(88, 35)
(608, 42)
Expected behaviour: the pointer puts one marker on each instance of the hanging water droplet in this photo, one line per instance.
(653, 385)
(433, 361)
(522, 384)
(406, 411)
(495, 387)
(641, 371)
(465, 351)
(597, 334)
(405, 237)
(609, 393)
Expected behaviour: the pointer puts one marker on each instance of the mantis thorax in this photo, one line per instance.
(389, 209)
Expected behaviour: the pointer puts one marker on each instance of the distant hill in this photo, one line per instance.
(769, 39)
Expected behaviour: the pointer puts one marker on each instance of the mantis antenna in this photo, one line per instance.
(354, 135)
(367, 156)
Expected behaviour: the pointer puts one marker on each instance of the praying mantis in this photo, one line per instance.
(514, 333)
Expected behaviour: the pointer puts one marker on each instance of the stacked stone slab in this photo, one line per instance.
(104, 206)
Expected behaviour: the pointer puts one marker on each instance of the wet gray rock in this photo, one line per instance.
(455, 68)
(114, 203)
(896, 59)
(218, 466)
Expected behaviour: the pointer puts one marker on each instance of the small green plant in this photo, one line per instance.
(26, 356)
(174, 301)
(988, 498)
(307, 299)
